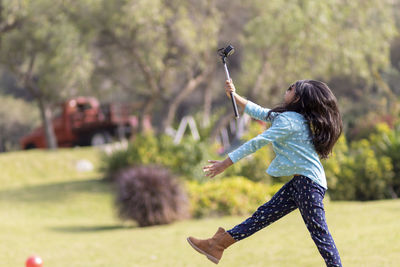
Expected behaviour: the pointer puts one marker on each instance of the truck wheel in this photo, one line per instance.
(30, 146)
(100, 138)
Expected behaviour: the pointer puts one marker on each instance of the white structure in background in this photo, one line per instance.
(236, 127)
(116, 146)
(185, 122)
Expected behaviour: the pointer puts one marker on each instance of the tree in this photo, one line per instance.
(48, 58)
(11, 15)
(158, 51)
(287, 41)
(17, 117)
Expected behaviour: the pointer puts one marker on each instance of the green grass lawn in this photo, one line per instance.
(67, 217)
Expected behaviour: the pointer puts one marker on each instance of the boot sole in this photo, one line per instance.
(211, 258)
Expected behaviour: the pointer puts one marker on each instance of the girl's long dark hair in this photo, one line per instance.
(318, 105)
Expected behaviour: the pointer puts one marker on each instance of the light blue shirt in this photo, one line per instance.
(291, 140)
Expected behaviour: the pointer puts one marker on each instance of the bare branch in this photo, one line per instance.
(146, 70)
(8, 27)
(222, 122)
(261, 76)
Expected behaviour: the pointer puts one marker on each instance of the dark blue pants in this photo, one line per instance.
(300, 192)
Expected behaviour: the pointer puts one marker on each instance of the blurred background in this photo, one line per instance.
(96, 95)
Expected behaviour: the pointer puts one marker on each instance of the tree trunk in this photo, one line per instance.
(222, 122)
(145, 124)
(45, 113)
(2, 142)
(182, 95)
(254, 93)
(207, 106)
(207, 100)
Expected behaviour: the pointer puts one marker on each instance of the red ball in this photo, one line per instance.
(34, 261)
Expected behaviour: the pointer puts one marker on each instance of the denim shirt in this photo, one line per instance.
(291, 140)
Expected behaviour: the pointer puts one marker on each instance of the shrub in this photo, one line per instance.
(150, 196)
(184, 159)
(334, 165)
(358, 172)
(387, 143)
(229, 196)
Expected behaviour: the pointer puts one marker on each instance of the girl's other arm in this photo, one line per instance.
(217, 167)
(280, 130)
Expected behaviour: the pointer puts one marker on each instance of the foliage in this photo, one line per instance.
(368, 125)
(184, 159)
(47, 53)
(387, 143)
(287, 41)
(17, 117)
(162, 48)
(230, 196)
(12, 15)
(161, 54)
(150, 196)
(357, 172)
(48, 57)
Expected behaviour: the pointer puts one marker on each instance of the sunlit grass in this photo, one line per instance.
(67, 218)
(34, 167)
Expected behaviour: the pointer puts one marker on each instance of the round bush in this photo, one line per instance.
(150, 195)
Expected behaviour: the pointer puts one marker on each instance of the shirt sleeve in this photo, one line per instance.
(256, 111)
(281, 128)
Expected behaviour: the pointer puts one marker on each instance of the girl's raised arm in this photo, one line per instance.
(230, 87)
(249, 107)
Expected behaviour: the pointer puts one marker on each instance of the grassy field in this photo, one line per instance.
(49, 208)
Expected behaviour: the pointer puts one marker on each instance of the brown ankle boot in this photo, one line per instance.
(213, 247)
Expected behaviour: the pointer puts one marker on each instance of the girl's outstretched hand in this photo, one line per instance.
(216, 167)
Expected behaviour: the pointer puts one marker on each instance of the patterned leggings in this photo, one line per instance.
(300, 192)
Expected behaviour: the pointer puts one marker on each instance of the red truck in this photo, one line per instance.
(82, 121)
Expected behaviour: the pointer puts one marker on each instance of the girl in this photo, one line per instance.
(304, 128)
